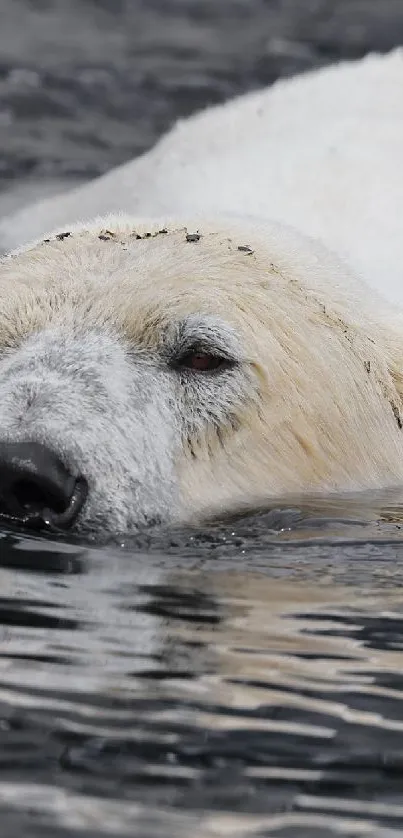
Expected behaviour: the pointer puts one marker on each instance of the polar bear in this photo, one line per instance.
(191, 363)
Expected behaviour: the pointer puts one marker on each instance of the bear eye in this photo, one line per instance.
(198, 361)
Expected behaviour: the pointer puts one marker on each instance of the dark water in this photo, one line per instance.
(244, 680)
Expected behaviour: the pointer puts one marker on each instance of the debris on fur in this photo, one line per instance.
(244, 248)
(110, 235)
(106, 235)
(193, 237)
(148, 235)
(396, 414)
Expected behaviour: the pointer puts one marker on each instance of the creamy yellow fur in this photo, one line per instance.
(323, 362)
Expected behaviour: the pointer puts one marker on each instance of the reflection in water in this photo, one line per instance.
(206, 682)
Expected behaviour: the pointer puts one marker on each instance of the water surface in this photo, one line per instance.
(243, 679)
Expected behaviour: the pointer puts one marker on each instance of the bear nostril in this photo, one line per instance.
(31, 496)
(36, 489)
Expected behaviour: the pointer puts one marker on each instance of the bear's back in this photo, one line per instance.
(320, 152)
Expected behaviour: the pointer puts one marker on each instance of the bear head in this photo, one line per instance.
(171, 371)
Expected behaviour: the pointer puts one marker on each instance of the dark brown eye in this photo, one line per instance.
(202, 362)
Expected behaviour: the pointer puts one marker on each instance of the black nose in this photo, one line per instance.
(35, 487)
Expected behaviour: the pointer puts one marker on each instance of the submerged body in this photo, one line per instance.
(199, 363)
